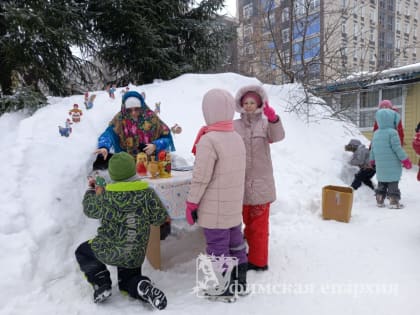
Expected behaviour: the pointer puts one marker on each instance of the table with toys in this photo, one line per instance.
(172, 188)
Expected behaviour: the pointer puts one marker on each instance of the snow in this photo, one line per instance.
(367, 266)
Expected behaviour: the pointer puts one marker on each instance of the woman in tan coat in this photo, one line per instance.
(217, 184)
(258, 132)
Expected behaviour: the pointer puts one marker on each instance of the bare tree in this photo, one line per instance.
(312, 42)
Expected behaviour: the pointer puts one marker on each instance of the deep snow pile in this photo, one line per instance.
(316, 266)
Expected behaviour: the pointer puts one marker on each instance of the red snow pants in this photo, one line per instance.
(255, 219)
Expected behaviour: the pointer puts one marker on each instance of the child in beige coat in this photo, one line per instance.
(217, 185)
(259, 126)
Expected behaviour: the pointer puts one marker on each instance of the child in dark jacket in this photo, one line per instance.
(126, 209)
(360, 158)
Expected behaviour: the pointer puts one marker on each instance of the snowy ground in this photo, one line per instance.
(368, 266)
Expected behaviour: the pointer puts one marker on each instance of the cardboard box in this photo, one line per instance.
(337, 202)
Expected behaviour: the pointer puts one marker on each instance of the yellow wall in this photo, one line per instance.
(411, 119)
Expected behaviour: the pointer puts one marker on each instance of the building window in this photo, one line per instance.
(372, 16)
(285, 35)
(356, 53)
(286, 57)
(248, 30)
(382, 4)
(368, 105)
(355, 29)
(247, 11)
(369, 99)
(390, 23)
(314, 4)
(395, 95)
(269, 22)
(348, 103)
(367, 118)
(300, 7)
(268, 5)
(381, 19)
(371, 55)
(285, 15)
(360, 107)
(249, 49)
(309, 49)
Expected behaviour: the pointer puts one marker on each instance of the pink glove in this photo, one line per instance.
(406, 163)
(372, 163)
(191, 212)
(269, 112)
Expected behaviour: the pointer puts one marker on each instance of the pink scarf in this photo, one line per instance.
(226, 125)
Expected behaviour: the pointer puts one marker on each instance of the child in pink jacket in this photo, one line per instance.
(217, 186)
(259, 126)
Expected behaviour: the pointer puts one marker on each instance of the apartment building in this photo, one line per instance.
(284, 41)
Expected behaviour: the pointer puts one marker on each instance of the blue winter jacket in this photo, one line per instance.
(386, 148)
(109, 139)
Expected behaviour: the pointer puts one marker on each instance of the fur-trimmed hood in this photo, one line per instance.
(254, 88)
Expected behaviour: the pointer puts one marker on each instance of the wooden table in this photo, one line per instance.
(173, 193)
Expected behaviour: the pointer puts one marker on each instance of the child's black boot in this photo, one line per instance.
(242, 286)
(150, 294)
(102, 286)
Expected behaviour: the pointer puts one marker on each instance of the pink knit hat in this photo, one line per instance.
(385, 104)
(254, 95)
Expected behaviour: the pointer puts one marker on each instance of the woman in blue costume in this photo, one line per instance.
(136, 128)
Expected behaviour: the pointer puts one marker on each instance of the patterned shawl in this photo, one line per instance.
(133, 135)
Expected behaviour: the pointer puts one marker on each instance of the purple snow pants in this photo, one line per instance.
(227, 242)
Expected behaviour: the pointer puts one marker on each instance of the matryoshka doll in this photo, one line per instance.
(153, 167)
(141, 164)
(164, 164)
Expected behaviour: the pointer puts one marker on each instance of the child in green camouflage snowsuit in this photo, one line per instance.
(127, 207)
